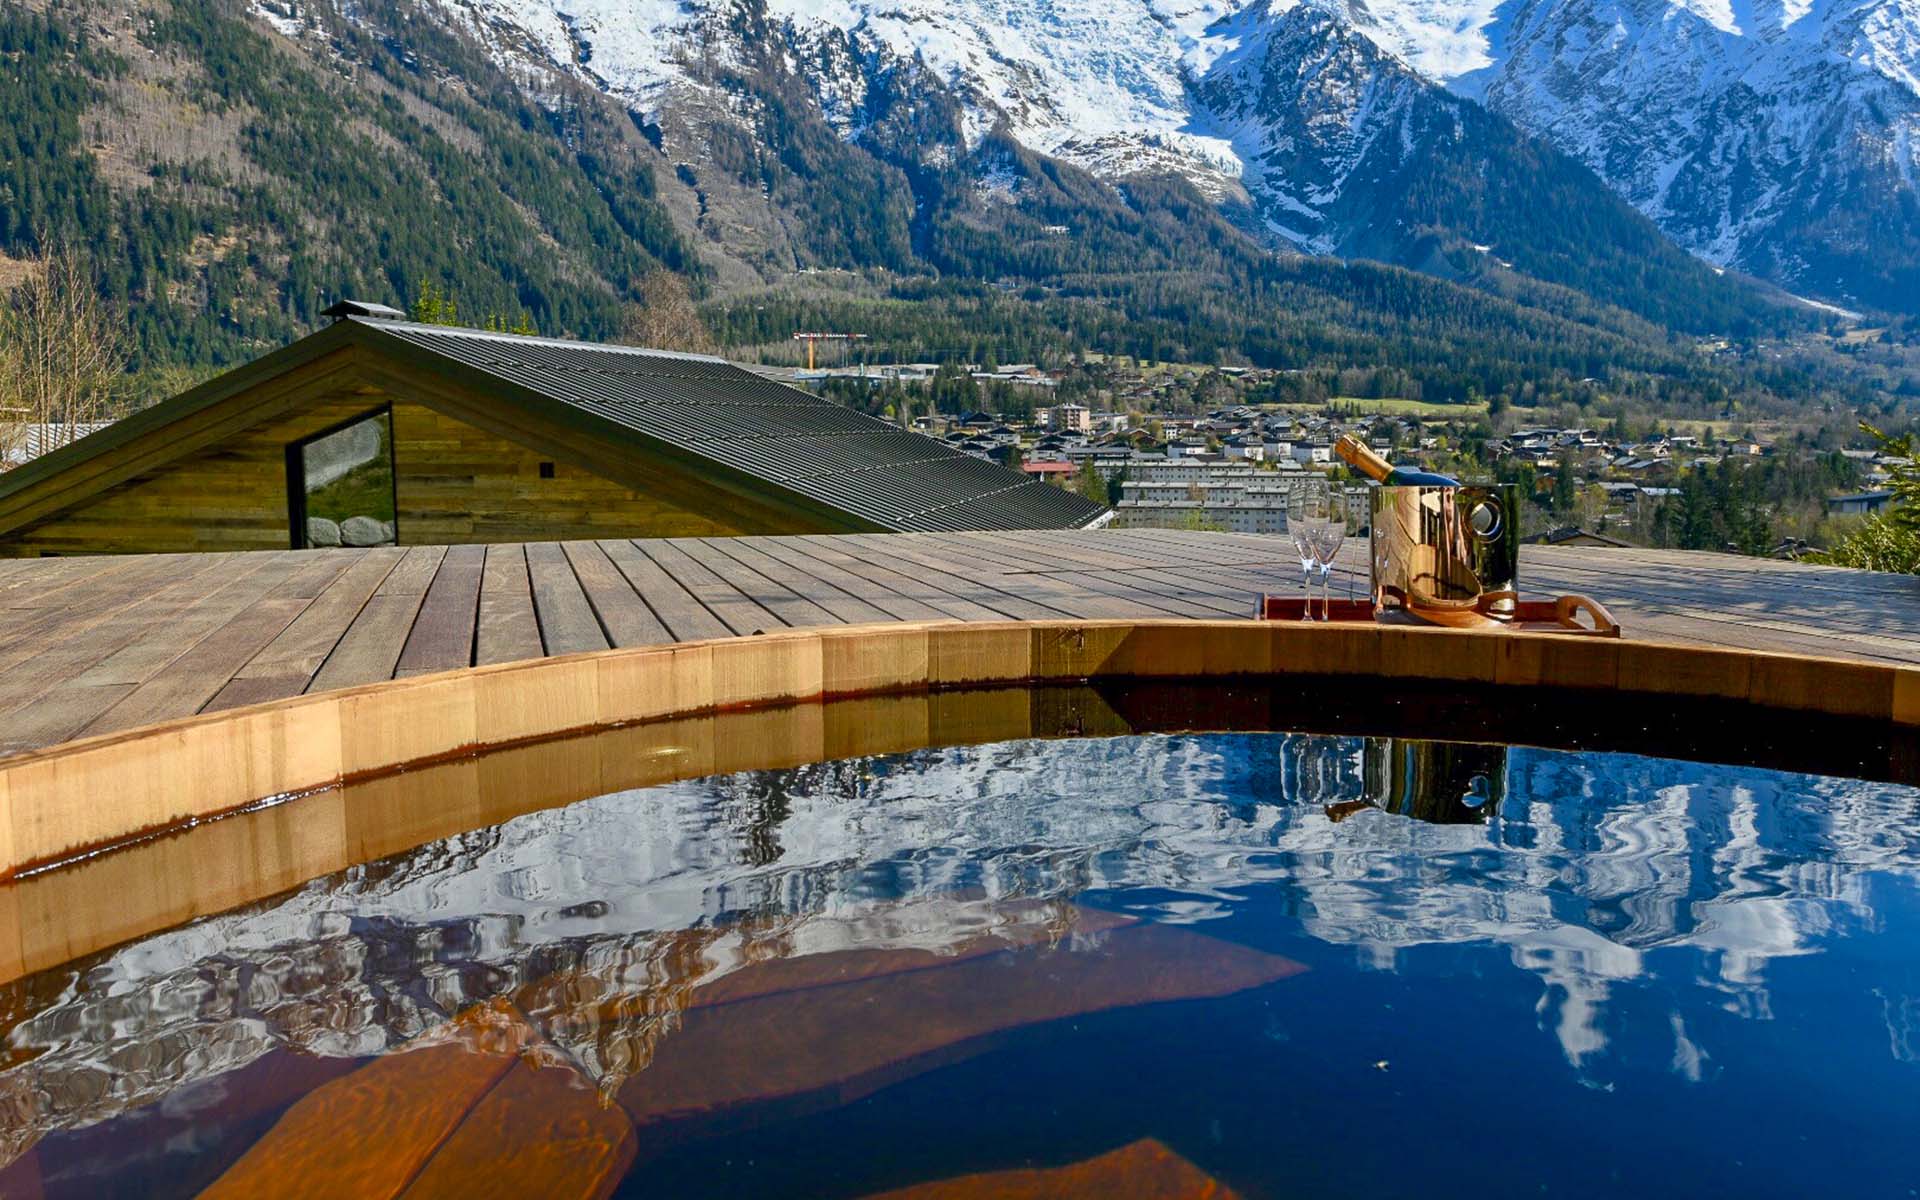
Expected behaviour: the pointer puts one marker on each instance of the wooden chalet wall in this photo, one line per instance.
(229, 496)
(454, 483)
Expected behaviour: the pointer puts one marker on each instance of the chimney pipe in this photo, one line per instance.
(362, 308)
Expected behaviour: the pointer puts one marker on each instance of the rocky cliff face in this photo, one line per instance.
(1776, 138)
(1773, 138)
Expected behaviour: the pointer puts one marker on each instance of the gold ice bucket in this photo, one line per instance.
(1446, 552)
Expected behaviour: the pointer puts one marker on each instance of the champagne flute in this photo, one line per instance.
(1330, 535)
(1306, 509)
(1303, 546)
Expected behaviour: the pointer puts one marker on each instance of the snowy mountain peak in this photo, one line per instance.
(1777, 136)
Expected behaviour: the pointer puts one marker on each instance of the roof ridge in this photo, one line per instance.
(495, 335)
(999, 491)
(828, 459)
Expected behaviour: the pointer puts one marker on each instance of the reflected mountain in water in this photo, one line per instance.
(600, 920)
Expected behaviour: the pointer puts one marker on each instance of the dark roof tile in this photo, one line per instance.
(782, 435)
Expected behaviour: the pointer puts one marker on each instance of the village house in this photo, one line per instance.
(377, 431)
(1860, 503)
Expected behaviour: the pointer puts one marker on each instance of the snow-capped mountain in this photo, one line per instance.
(1777, 138)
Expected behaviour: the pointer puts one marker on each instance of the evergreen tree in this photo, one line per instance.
(431, 306)
(1089, 482)
(1566, 492)
(1888, 541)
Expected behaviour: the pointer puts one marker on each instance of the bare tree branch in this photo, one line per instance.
(665, 318)
(63, 354)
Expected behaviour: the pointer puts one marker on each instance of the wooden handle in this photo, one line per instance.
(1568, 608)
(1490, 611)
(1562, 613)
(1361, 457)
(1503, 606)
(1454, 618)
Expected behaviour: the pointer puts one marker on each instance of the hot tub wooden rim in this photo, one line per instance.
(68, 800)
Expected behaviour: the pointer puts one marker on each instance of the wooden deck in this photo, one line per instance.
(93, 645)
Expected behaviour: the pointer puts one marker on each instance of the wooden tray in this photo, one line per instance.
(1288, 608)
(1560, 615)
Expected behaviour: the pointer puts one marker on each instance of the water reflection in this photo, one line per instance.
(1143, 1170)
(698, 947)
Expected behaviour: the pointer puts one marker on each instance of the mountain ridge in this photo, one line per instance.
(233, 178)
(1781, 146)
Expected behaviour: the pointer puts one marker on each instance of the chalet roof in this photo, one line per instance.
(34, 439)
(719, 415)
(1572, 533)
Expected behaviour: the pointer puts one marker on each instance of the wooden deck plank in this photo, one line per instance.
(1800, 577)
(63, 584)
(1225, 594)
(25, 630)
(872, 586)
(1152, 598)
(1186, 589)
(86, 646)
(1066, 551)
(189, 681)
(1795, 582)
(1219, 549)
(257, 689)
(567, 622)
(623, 614)
(67, 661)
(678, 609)
(415, 573)
(1865, 613)
(82, 635)
(1757, 625)
(299, 652)
(60, 715)
(1019, 552)
(786, 604)
(1170, 546)
(289, 663)
(507, 629)
(1079, 594)
(879, 572)
(442, 633)
(158, 644)
(1697, 630)
(738, 612)
(1240, 586)
(906, 557)
(370, 649)
(818, 584)
(1034, 597)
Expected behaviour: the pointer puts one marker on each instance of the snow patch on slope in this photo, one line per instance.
(1075, 78)
(633, 46)
(1727, 122)
(283, 15)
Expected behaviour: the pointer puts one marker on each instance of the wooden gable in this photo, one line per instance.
(468, 468)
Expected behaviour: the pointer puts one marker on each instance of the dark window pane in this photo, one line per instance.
(349, 485)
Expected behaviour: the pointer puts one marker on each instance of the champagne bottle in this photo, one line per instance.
(1361, 458)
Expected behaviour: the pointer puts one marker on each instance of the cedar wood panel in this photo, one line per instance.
(454, 483)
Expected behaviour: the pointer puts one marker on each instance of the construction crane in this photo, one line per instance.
(814, 339)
